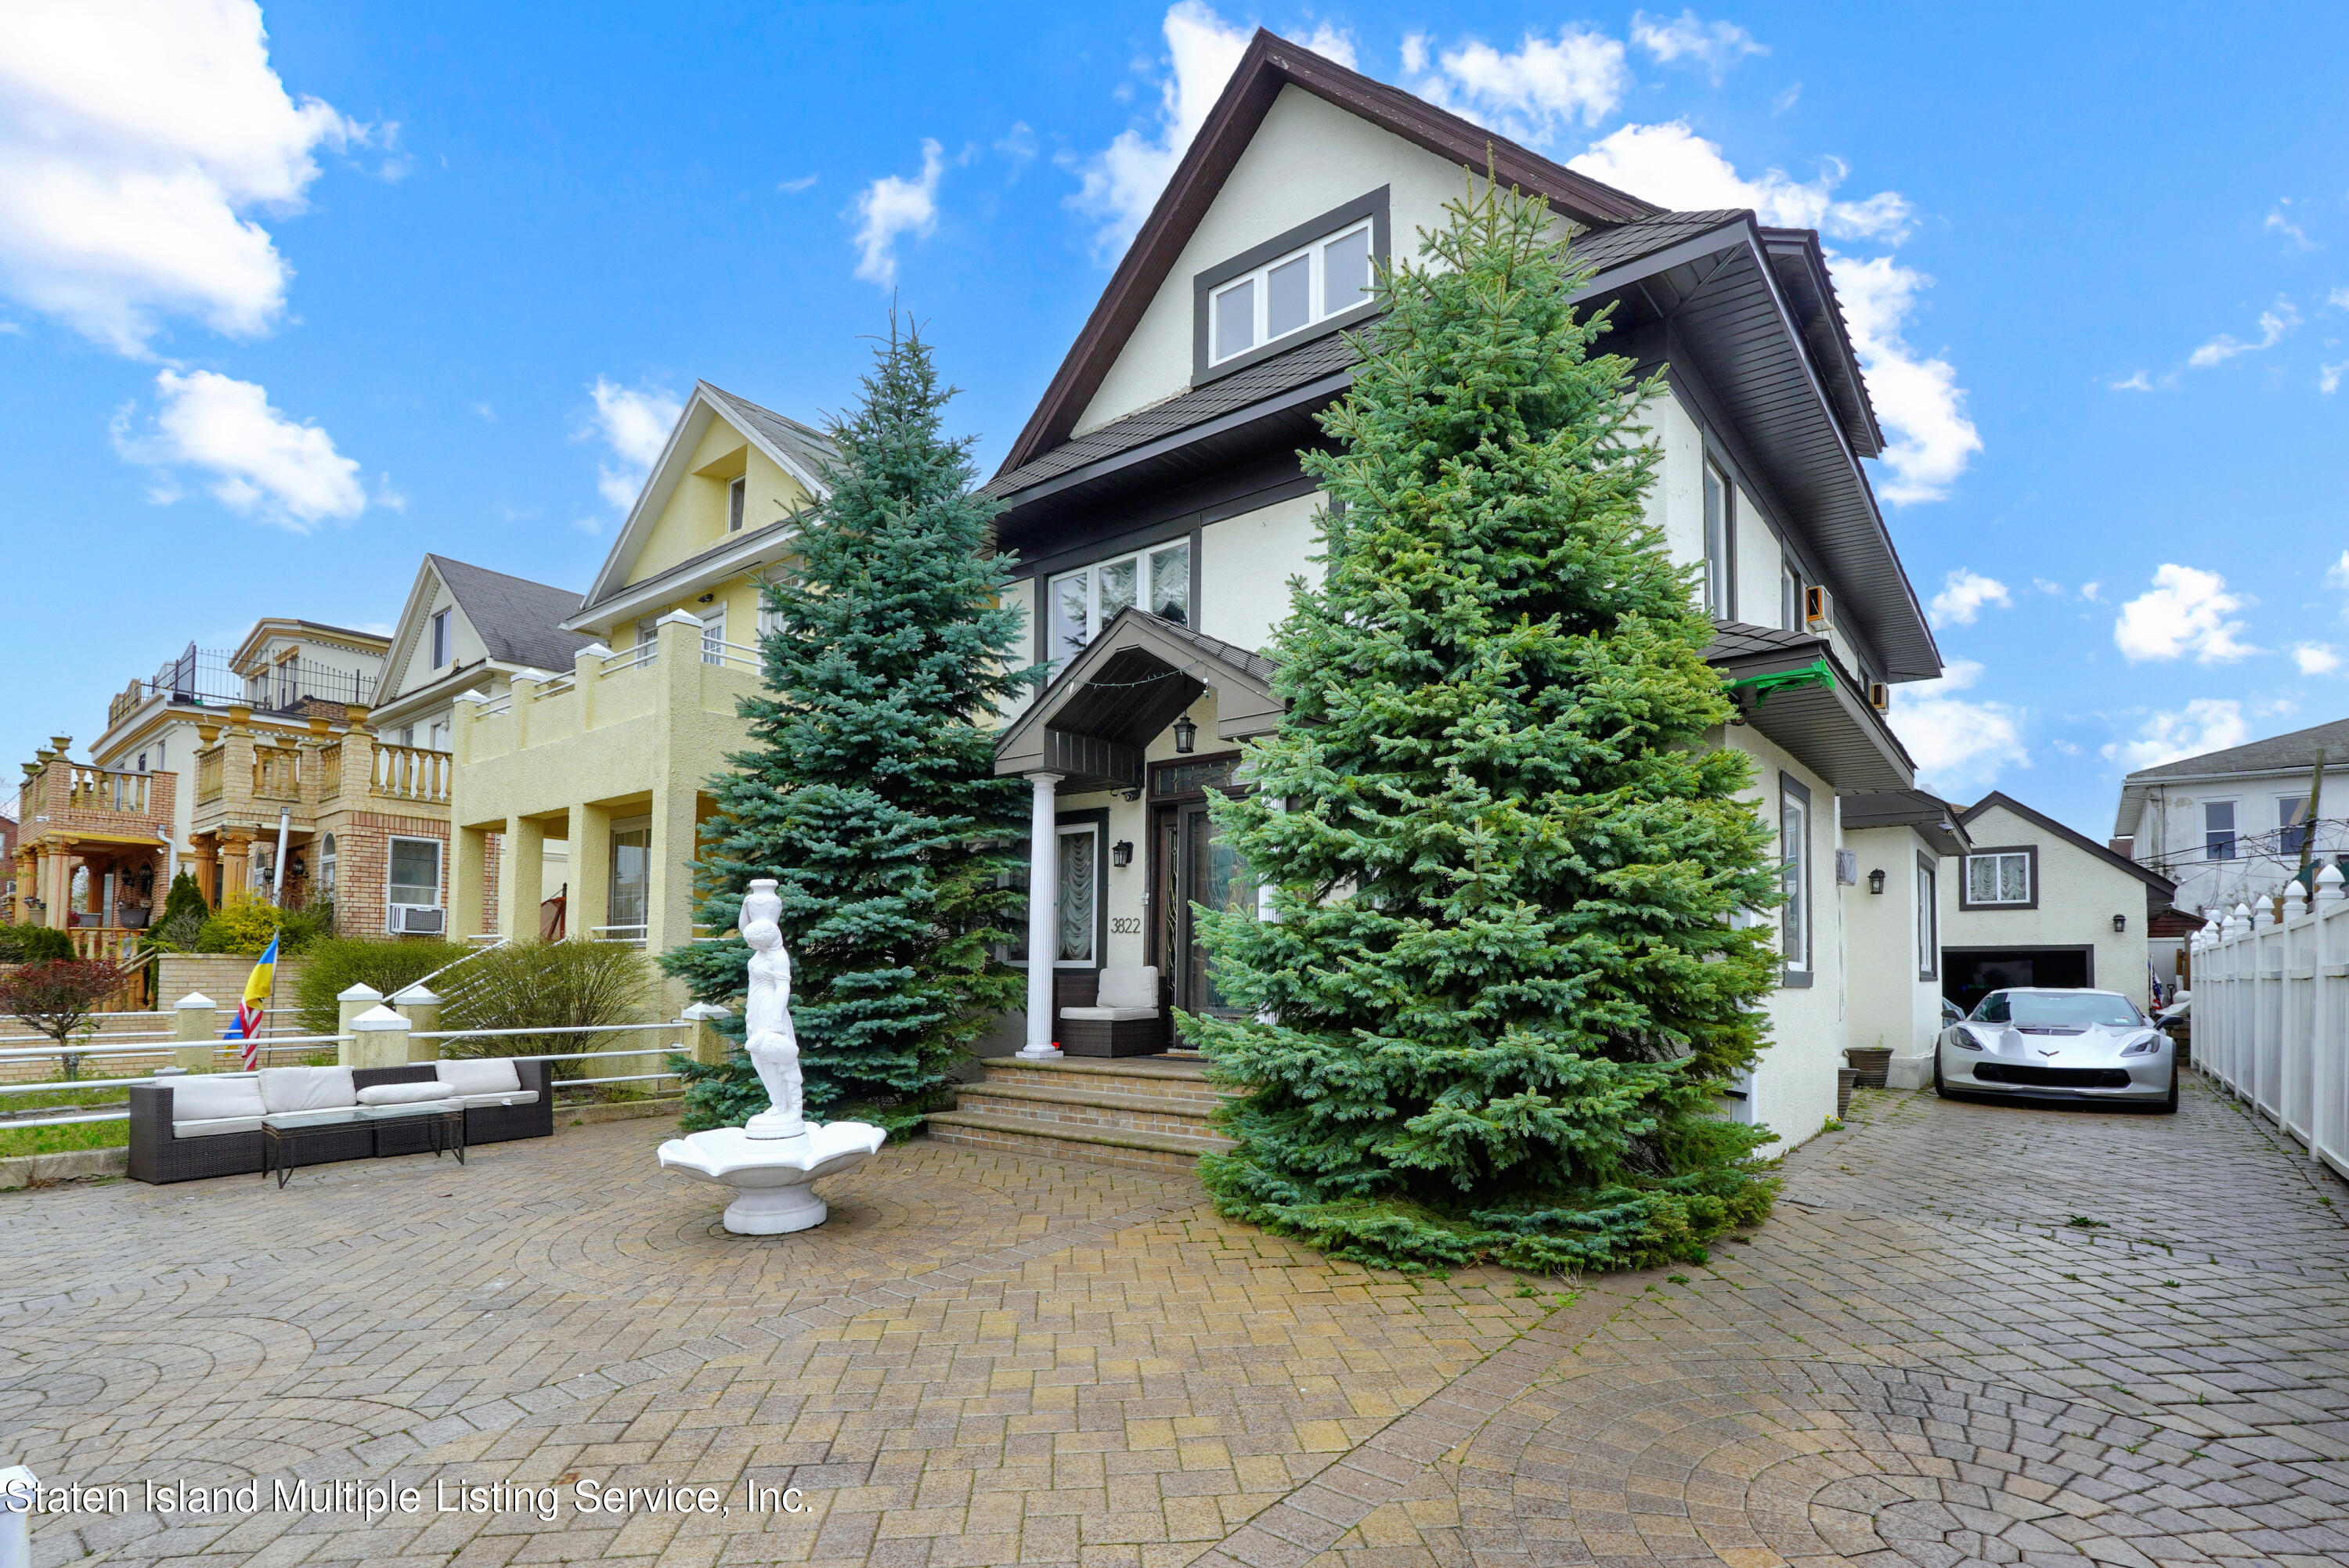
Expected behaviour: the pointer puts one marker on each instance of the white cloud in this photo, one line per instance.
(2316, 659)
(2186, 610)
(262, 464)
(2206, 724)
(634, 423)
(2274, 325)
(2328, 377)
(2296, 237)
(2137, 381)
(1671, 165)
(2045, 586)
(137, 138)
(2338, 299)
(1964, 593)
(793, 187)
(891, 206)
(1716, 46)
(1961, 743)
(1544, 86)
(1124, 178)
(1333, 42)
(2337, 574)
(2094, 592)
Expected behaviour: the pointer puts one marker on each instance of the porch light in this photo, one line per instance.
(1121, 855)
(2120, 923)
(1876, 879)
(1186, 732)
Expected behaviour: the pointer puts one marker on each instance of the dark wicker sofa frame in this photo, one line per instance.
(156, 1156)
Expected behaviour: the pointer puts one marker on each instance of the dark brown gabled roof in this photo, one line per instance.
(1270, 64)
(2159, 884)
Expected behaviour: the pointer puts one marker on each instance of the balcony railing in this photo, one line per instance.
(410, 773)
(203, 677)
(277, 773)
(107, 789)
(209, 781)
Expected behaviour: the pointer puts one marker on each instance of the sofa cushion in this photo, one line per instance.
(307, 1088)
(512, 1096)
(409, 1107)
(479, 1075)
(403, 1093)
(208, 1097)
(209, 1127)
(1108, 1015)
(1134, 986)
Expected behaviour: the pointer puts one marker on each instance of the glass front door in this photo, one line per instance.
(1195, 866)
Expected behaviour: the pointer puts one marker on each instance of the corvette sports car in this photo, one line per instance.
(2047, 1043)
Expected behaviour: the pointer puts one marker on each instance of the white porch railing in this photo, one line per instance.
(2271, 1012)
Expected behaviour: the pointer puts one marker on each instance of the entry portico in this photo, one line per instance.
(1111, 750)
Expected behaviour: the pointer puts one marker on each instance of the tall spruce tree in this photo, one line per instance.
(869, 791)
(1503, 977)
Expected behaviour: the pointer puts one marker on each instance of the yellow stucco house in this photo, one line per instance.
(610, 756)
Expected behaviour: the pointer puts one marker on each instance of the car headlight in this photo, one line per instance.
(2144, 1047)
(1964, 1041)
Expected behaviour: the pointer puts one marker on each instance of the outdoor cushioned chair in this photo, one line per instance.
(209, 1124)
(1124, 1020)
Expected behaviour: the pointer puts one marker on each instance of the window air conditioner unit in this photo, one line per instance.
(1818, 607)
(1880, 696)
(418, 919)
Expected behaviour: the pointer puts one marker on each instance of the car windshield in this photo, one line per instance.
(2062, 1010)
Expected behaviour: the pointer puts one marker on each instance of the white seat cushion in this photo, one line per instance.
(410, 1108)
(1108, 1015)
(1135, 986)
(480, 1075)
(210, 1127)
(403, 1093)
(307, 1088)
(210, 1097)
(334, 1115)
(512, 1096)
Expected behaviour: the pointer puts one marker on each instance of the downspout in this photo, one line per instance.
(278, 870)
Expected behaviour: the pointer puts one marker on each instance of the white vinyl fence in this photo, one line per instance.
(2271, 1012)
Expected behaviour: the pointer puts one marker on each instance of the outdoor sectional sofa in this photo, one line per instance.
(209, 1124)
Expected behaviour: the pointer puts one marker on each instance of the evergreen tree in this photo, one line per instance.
(1501, 985)
(868, 791)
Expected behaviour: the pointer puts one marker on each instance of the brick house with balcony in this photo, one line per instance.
(92, 853)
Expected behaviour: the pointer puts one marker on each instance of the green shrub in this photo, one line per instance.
(183, 916)
(244, 924)
(390, 963)
(547, 984)
(34, 944)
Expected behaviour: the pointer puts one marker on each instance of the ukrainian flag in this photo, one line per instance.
(257, 988)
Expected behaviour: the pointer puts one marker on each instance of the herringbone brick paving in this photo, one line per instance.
(988, 1358)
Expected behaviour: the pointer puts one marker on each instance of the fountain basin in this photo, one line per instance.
(770, 1176)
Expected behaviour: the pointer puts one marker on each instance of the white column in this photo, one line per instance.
(1043, 912)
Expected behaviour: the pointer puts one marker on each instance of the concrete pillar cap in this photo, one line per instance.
(416, 996)
(362, 992)
(701, 1010)
(379, 1018)
(193, 999)
(679, 618)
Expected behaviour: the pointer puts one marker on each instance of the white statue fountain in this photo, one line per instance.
(771, 1160)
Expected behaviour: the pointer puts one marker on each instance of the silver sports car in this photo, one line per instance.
(2047, 1043)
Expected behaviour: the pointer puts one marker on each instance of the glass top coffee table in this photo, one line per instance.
(292, 1138)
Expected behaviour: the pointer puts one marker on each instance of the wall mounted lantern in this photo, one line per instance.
(2120, 923)
(1185, 733)
(1876, 879)
(1121, 855)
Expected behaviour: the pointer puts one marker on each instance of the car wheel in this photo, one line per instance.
(2170, 1105)
(1939, 1087)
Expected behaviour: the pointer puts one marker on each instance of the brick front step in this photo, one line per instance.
(1096, 1110)
(1148, 1076)
(1161, 1152)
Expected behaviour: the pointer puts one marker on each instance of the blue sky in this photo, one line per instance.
(279, 315)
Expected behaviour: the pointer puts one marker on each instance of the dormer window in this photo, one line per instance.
(737, 493)
(1273, 296)
(440, 638)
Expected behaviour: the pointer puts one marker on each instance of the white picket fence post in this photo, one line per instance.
(2271, 1014)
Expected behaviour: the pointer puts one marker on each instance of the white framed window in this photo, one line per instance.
(1316, 280)
(408, 735)
(1928, 915)
(1080, 602)
(1794, 875)
(413, 878)
(628, 891)
(2219, 829)
(738, 491)
(440, 648)
(1720, 545)
(2291, 820)
(713, 634)
(326, 865)
(437, 736)
(1076, 924)
(1790, 597)
(2000, 877)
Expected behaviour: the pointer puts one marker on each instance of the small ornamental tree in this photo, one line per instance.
(183, 916)
(58, 999)
(869, 791)
(1502, 980)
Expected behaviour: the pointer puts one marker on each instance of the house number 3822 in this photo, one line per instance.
(1130, 925)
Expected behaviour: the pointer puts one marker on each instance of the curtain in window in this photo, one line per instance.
(1076, 896)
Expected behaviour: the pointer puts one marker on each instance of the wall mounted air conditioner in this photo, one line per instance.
(1818, 607)
(418, 919)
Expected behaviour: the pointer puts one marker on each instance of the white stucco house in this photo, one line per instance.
(1156, 509)
(2033, 902)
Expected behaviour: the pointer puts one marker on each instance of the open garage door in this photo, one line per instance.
(1969, 974)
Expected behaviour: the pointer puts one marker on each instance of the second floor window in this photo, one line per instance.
(736, 495)
(1720, 534)
(1310, 283)
(2219, 829)
(1080, 604)
(1790, 597)
(440, 638)
(2002, 878)
(2291, 817)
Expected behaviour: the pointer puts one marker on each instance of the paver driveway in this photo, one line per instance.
(986, 1359)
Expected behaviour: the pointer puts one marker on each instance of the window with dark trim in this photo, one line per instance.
(1312, 280)
(1928, 918)
(2000, 876)
(1720, 545)
(1795, 876)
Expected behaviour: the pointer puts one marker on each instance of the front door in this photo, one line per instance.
(1196, 866)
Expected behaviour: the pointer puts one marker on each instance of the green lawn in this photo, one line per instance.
(57, 1139)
